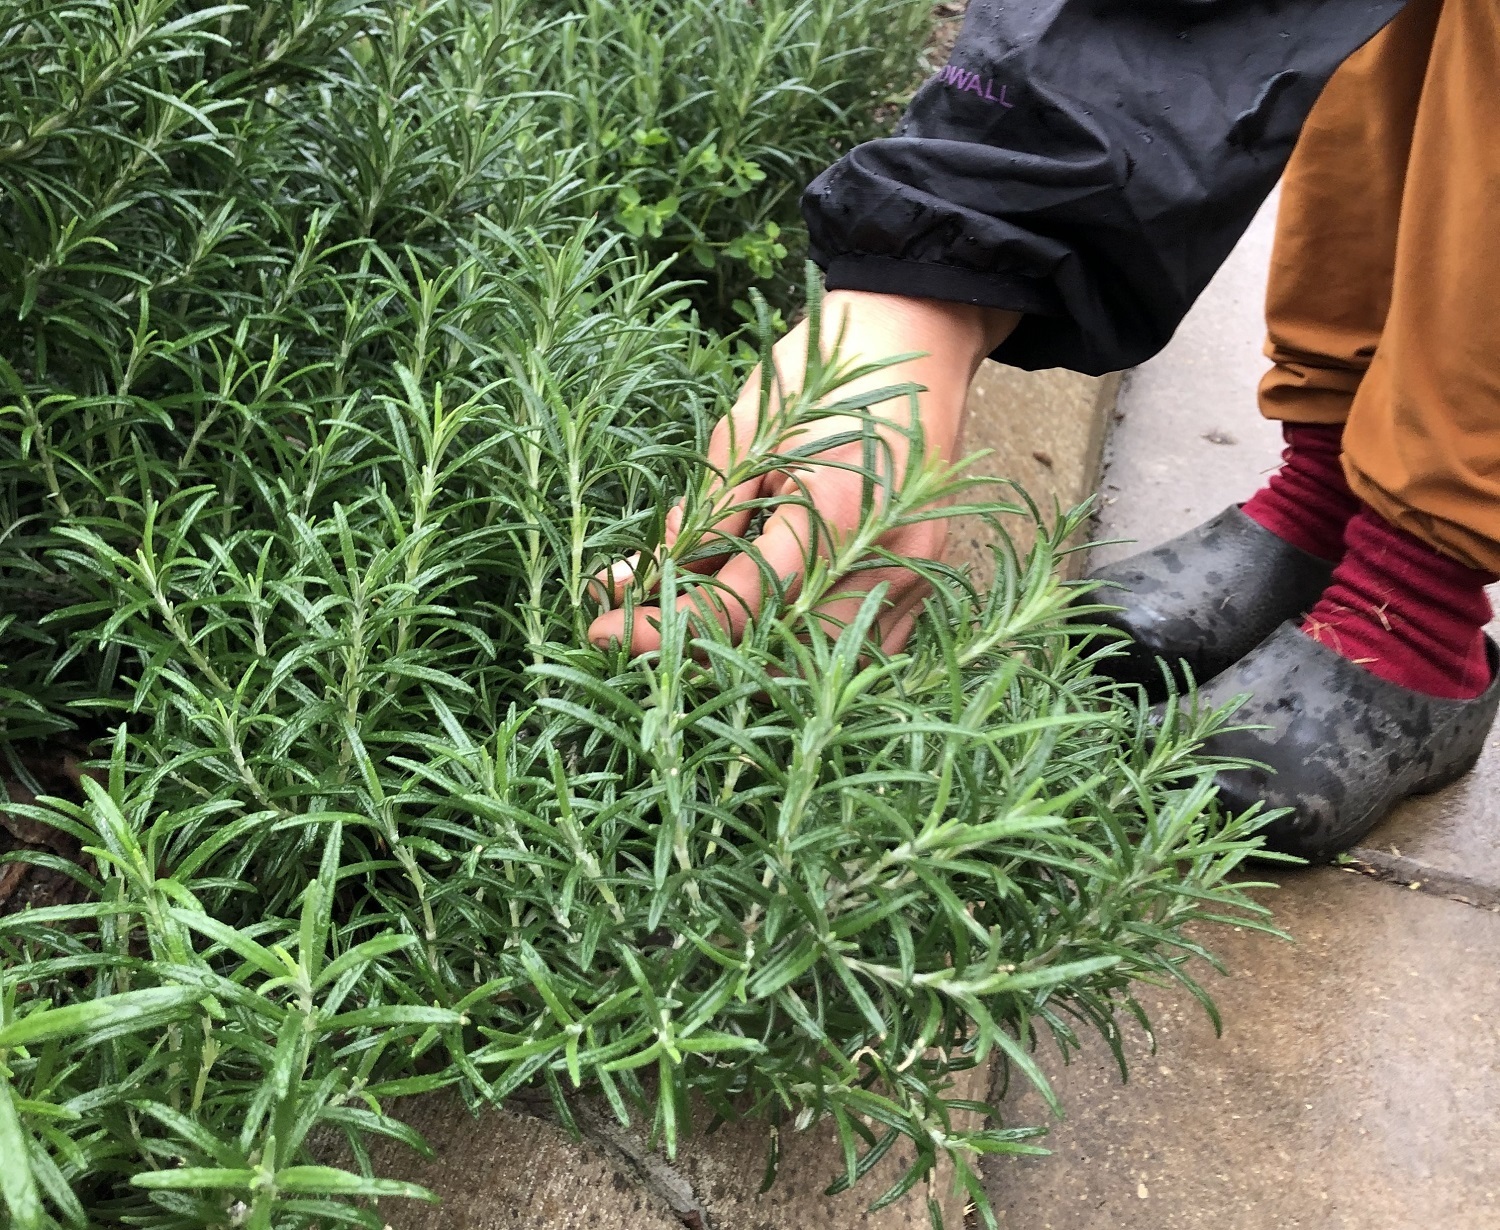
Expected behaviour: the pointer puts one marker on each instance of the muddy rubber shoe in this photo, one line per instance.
(1204, 600)
(1342, 745)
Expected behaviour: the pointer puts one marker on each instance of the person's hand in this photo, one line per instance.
(952, 339)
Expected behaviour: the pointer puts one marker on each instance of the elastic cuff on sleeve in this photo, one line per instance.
(928, 280)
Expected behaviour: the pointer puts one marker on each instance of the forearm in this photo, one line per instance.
(961, 333)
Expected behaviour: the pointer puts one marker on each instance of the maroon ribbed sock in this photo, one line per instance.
(1308, 502)
(1405, 611)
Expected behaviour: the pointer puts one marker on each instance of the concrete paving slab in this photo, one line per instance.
(1448, 841)
(516, 1170)
(724, 1170)
(1354, 1088)
(1046, 431)
(511, 1171)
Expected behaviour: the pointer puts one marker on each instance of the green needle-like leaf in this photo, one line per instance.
(343, 345)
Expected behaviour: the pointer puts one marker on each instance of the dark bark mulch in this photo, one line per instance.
(50, 770)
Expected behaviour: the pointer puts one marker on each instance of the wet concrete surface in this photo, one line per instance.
(1449, 841)
(1044, 430)
(1357, 1083)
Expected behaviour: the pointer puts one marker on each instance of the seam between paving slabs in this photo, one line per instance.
(1417, 876)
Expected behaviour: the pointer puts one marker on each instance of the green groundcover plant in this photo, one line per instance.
(341, 343)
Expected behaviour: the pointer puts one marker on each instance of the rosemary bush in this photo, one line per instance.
(338, 350)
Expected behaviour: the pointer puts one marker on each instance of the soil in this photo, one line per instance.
(23, 884)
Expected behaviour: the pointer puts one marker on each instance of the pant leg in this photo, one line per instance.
(1332, 267)
(1422, 445)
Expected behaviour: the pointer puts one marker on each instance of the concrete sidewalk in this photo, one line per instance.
(1357, 1082)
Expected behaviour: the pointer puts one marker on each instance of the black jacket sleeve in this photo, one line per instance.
(1087, 162)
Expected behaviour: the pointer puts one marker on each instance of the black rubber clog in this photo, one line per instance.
(1342, 746)
(1204, 600)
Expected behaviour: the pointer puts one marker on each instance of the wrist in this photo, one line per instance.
(960, 334)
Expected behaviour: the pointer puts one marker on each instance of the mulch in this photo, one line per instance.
(49, 771)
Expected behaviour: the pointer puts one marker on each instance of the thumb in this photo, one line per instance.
(609, 584)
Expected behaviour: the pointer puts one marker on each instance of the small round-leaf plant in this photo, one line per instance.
(342, 343)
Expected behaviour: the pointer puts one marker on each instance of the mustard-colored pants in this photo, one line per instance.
(1383, 309)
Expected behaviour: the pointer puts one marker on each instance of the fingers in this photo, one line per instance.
(736, 594)
(906, 592)
(609, 584)
(738, 582)
(641, 637)
(780, 559)
(730, 435)
(894, 637)
(891, 631)
(734, 433)
(718, 541)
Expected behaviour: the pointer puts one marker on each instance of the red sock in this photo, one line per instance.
(1405, 611)
(1307, 502)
